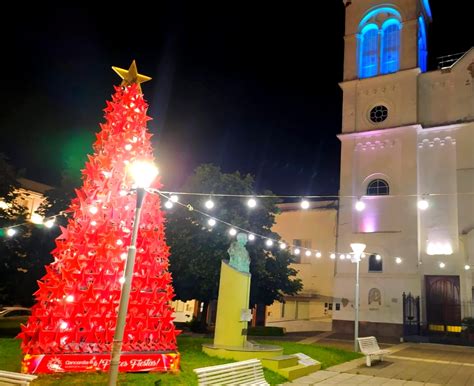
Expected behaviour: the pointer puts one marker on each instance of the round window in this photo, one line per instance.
(378, 114)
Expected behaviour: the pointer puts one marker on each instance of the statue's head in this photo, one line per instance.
(242, 238)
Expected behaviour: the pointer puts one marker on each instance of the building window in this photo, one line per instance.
(369, 51)
(379, 42)
(378, 187)
(302, 310)
(378, 114)
(390, 61)
(375, 263)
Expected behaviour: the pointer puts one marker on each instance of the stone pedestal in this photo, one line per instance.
(230, 339)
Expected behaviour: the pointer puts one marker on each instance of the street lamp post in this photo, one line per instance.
(143, 173)
(357, 249)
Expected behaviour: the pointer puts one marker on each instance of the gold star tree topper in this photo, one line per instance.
(131, 76)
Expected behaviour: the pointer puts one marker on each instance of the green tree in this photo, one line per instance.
(197, 249)
(14, 261)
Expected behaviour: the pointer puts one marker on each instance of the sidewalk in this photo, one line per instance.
(409, 364)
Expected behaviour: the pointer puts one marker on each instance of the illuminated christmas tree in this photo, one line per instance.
(76, 304)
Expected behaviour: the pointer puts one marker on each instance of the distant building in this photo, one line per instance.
(31, 196)
(314, 230)
(407, 135)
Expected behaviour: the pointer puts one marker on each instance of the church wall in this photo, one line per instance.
(447, 96)
(388, 224)
(398, 92)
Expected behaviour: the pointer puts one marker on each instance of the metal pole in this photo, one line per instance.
(356, 319)
(125, 296)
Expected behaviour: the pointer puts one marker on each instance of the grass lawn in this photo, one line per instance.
(191, 357)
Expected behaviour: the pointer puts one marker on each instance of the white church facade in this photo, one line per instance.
(407, 142)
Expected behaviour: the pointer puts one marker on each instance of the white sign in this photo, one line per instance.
(246, 315)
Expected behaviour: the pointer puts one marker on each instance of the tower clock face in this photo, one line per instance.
(378, 114)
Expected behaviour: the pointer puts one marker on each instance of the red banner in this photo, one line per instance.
(129, 362)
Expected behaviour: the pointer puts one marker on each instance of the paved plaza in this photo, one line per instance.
(409, 364)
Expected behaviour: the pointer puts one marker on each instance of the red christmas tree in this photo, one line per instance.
(78, 298)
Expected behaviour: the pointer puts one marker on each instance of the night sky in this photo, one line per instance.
(248, 87)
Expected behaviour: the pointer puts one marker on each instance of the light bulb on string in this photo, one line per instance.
(209, 204)
(69, 298)
(211, 222)
(442, 265)
(11, 232)
(332, 256)
(342, 256)
(123, 256)
(282, 246)
(297, 251)
(122, 280)
(304, 204)
(360, 205)
(398, 260)
(168, 204)
(49, 223)
(174, 198)
(36, 218)
(232, 231)
(467, 267)
(308, 253)
(378, 257)
(128, 147)
(93, 223)
(423, 204)
(318, 254)
(252, 203)
(93, 209)
(119, 242)
(251, 237)
(269, 243)
(123, 193)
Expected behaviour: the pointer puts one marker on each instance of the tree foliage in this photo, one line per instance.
(197, 249)
(22, 256)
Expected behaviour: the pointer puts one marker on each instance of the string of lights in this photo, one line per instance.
(172, 198)
(212, 221)
(48, 222)
(312, 196)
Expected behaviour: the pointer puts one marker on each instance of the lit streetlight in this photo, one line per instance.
(358, 249)
(143, 174)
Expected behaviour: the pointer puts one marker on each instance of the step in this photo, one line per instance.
(279, 362)
(298, 371)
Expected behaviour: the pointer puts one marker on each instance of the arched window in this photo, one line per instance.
(422, 47)
(369, 48)
(378, 187)
(375, 263)
(379, 42)
(390, 61)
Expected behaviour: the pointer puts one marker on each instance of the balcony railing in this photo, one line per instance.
(448, 60)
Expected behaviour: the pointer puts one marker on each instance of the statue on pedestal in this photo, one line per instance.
(239, 256)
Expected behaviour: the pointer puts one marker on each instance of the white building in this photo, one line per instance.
(407, 134)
